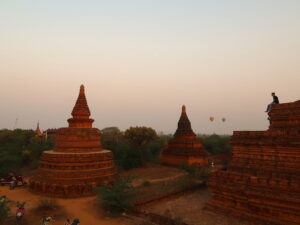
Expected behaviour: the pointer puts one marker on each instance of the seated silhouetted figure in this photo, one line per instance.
(275, 101)
(269, 107)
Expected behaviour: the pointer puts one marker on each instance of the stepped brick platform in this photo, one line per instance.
(184, 148)
(78, 163)
(262, 182)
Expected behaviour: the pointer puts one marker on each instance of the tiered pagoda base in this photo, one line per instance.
(262, 182)
(72, 174)
(184, 151)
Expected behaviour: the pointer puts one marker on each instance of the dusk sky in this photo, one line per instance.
(140, 61)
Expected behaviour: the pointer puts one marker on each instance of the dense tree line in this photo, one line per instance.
(216, 144)
(20, 148)
(132, 148)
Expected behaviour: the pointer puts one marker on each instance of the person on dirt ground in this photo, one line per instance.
(47, 220)
(2, 199)
(43, 220)
(68, 222)
(75, 222)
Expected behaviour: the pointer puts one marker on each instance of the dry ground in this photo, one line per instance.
(153, 172)
(189, 209)
(83, 208)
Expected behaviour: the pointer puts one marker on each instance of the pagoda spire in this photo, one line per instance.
(184, 127)
(38, 130)
(81, 108)
(81, 112)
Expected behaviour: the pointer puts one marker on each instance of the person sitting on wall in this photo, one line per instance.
(275, 101)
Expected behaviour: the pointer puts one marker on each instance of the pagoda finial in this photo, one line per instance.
(81, 112)
(81, 109)
(183, 108)
(81, 92)
(184, 125)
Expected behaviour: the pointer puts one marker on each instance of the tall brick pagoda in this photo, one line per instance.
(78, 163)
(184, 148)
(262, 182)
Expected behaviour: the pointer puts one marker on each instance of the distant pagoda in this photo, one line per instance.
(78, 163)
(184, 148)
(38, 131)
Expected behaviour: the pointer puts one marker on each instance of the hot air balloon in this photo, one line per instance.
(223, 119)
(211, 118)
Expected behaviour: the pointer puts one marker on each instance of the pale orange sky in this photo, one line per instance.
(141, 61)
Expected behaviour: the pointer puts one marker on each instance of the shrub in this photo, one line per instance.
(133, 148)
(191, 170)
(47, 204)
(198, 172)
(217, 144)
(4, 211)
(146, 183)
(20, 148)
(116, 197)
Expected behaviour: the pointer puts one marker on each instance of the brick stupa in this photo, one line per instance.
(262, 183)
(78, 163)
(184, 148)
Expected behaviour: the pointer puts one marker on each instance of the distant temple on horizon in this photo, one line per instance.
(184, 148)
(38, 131)
(262, 182)
(78, 163)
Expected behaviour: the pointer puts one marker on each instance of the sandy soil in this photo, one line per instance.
(83, 208)
(189, 209)
(153, 172)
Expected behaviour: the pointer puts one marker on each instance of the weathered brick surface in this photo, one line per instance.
(262, 183)
(78, 163)
(184, 147)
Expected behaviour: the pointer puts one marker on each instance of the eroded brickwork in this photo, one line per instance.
(262, 183)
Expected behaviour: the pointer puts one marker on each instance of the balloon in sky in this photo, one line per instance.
(211, 118)
(223, 119)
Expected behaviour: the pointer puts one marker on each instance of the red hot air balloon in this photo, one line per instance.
(223, 119)
(211, 118)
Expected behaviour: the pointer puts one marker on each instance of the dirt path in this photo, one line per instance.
(189, 209)
(83, 208)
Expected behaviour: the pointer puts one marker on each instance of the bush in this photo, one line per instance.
(198, 172)
(217, 144)
(116, 197)
(133, 148)
(146, 183)
(46, 204)
(20, 148)
(4, 211)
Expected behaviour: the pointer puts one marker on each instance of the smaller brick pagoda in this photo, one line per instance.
(184, 148)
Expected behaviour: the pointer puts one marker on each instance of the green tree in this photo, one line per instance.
(4, 210)
(20, 148)
(111, 137)
(116, 197)
(217, 144)
(140, 136)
